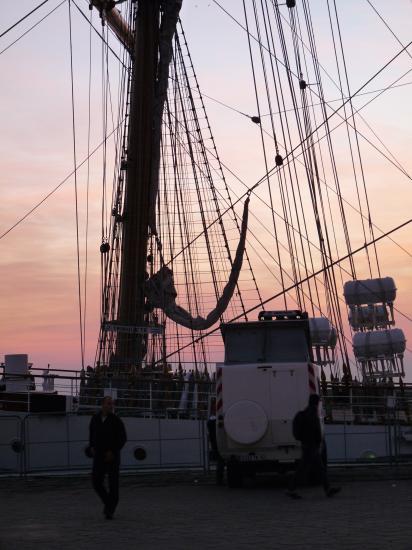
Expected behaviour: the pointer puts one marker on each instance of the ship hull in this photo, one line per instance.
(38, 443)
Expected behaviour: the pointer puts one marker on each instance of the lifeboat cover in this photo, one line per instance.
(370, 291)
(384, 343)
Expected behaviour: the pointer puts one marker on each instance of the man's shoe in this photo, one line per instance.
(294, 495)
(333, 491)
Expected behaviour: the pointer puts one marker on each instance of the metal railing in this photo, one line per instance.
(375, 404)
(145, 394)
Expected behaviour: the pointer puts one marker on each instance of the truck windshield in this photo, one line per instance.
(265, 344)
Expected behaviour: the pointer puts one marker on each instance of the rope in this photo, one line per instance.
(75, 188)
(263, 145)
(346, 101)
(32, 27)
(360, 94)
(102, 38)
(251, 232)
(221, 174)
(110, 262)
(357, 144)
(312, 171)
(336, 111)
(36, 206)
(387, 26)
(88, 179)
(23, 18)
(335, 262)
(332, 297)
(284, 111)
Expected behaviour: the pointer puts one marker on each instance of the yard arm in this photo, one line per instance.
(115, 21)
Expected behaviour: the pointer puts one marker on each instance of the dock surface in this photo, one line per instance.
(187, 511)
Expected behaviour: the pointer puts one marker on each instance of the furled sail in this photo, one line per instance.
(161, 292)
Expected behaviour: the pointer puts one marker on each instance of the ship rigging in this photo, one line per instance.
(180, 250)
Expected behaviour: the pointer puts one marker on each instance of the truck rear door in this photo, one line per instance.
(288, 394)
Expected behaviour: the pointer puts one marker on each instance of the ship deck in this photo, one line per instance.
(176, 512)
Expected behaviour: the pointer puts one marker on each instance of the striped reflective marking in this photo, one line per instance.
(312, 378)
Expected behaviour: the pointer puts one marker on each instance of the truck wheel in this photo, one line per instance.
(234, 476)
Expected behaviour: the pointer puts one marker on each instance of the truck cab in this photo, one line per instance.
(266, 378)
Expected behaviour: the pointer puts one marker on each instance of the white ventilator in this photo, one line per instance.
(48, 382)
(16, 364)
(16, 373)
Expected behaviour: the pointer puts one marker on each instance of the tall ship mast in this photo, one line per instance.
(137, 288)
(146, 35)
(149, 72)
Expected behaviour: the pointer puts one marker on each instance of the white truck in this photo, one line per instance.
(267, 377)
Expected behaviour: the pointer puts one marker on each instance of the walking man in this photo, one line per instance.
(107, 437)
(307, 429)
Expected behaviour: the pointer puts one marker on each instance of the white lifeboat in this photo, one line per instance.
(380, 344)
(370, 291)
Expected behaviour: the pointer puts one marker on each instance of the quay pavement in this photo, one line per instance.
(188, 512)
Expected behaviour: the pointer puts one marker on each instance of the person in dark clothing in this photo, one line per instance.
(107, 437)
(220, 463)
(313, 451)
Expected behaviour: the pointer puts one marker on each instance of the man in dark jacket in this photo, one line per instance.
(312, 459)
(107, 437)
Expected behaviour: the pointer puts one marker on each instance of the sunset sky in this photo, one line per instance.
(38, 276)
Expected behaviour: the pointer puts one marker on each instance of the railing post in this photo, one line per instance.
(159, 435)
(205, 446)
(26, 440)
(68, 440)
(22, 458)
(344, 437)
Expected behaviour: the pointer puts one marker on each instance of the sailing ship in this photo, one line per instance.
(187, 244)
